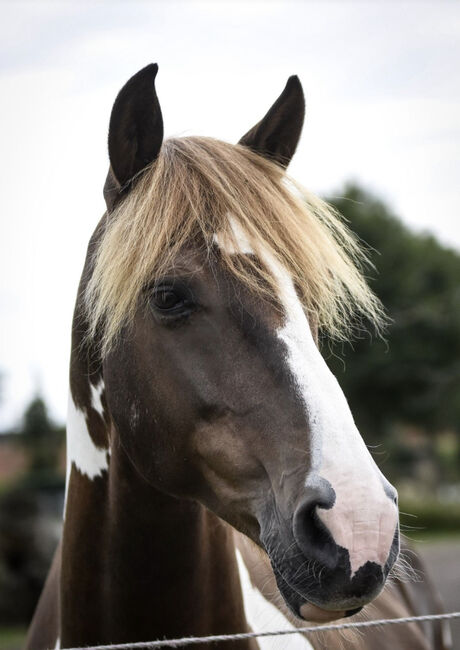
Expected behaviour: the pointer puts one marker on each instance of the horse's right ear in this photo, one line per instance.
(135, 132)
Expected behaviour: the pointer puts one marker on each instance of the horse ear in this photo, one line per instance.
(277, 134)
(135, 132)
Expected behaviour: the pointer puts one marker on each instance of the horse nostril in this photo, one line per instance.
(391, 492)
(310, 533)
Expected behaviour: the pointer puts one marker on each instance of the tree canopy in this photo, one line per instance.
(42, 437)
(413, 376)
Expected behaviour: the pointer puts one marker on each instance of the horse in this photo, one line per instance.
(216, 481)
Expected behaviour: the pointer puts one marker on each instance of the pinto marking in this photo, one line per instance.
(363, 518)
(90, 460)
(96, 393)
(261, 615)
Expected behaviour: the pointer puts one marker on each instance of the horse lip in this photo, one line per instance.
(315, 614)
(308, 611)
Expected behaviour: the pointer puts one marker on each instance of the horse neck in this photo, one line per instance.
(138, 564)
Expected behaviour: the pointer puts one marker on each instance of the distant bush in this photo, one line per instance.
(414, 376)
(429, 517)
(30, 524)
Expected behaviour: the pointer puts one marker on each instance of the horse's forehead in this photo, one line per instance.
(276, 303)
(205, 270)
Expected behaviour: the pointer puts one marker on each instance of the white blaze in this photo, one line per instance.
(363, 518)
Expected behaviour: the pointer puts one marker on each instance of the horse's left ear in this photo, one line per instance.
(135, 132)
(277, 134)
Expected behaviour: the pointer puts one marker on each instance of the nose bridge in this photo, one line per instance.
(361, 518)
(347, 463)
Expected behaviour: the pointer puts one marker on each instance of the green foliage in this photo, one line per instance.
(30, 516)
(42, 438)
(30, 519)
(414, 376)
(426, 517)
(36, 421)
(12, 638)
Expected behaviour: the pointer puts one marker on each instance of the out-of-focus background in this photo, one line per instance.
(381, 142)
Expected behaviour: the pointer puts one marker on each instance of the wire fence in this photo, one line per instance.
(194, 640)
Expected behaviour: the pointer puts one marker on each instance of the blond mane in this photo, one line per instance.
(199, 187)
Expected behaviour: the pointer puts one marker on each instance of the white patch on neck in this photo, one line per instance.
(58, 644)
(262, 616)
(89, 459)
(363, 519)
(96, 392)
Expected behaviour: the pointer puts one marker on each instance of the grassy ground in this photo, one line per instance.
(12, 638)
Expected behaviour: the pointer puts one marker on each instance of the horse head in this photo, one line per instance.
(208, 279)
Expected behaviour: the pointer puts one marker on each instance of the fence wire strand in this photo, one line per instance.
(194, 640)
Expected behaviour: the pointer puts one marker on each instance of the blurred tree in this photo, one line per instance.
(36, 420)
(41, 437)
(414, 376)
(30, 515)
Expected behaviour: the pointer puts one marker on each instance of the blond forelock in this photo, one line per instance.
(187, 195)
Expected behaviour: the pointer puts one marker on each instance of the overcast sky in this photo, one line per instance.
(382, 83)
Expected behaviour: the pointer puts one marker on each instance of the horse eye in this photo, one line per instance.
(167, 299)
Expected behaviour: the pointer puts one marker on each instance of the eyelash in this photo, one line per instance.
(182, 307)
